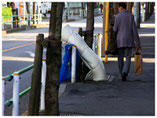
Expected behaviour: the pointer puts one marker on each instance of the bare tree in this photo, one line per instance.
(53, 60)
(90, 24)
(28, 12)
(34, 12)
(13, 14)
(89, 33)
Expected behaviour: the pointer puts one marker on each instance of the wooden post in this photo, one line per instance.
(34, 99)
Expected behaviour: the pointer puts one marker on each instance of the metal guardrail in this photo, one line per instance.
(16, 94)
(35, 18)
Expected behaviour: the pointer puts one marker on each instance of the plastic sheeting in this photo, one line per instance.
(65, 71)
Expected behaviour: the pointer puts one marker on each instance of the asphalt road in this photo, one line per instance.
(17, 49)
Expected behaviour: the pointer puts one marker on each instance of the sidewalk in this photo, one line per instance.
(135, 97)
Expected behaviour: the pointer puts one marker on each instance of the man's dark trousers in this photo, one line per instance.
(124, 67)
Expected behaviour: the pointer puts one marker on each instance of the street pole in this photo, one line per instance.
(104, 21)
(106, 31)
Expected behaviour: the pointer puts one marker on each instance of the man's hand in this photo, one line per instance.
(138, 48)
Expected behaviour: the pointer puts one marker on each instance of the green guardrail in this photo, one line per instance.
(8, 18)
(10, 77)
(10, 102)
(26, 69)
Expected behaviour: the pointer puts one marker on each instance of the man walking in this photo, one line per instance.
(127, 38)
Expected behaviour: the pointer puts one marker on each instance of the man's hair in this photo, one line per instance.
(122, 4)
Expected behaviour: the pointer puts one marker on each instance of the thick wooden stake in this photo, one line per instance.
(34, 99)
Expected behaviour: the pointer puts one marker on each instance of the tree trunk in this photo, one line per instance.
(111, 21)
(136, 13)
(90, 24)
(129, 6)
(115, 7)
(34, 13)
(89, 33)
(53, 60)
(13, 14)
(28, 12)
(146, 11)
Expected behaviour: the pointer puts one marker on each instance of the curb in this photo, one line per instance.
(23, 28)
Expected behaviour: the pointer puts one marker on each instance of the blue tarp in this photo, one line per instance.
(65, 71)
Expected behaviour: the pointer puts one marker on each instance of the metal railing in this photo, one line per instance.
(21, 19)
(16, 86)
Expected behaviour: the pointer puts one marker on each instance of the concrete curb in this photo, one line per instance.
(23, 28)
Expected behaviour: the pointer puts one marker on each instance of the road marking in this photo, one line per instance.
(17, 47)
(10, 58)
(30, 53)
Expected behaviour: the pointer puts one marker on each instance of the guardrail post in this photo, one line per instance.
(12, 22)
(35, 20)
(34, 100)
(43, 82)
(80, 13)
(3, 95)
(99, 45)
(94, 44)
(2, 23)
(30, 18)
(20, 21)
(73, 67)
(38, 18)
(16, 86)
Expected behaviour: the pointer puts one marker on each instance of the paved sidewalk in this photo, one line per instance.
(135, 97)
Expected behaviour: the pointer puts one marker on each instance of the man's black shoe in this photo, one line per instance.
(124, 77)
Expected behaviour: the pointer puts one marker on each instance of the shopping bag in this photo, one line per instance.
(138, 62)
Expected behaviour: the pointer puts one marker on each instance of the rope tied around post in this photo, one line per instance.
(50, 42)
